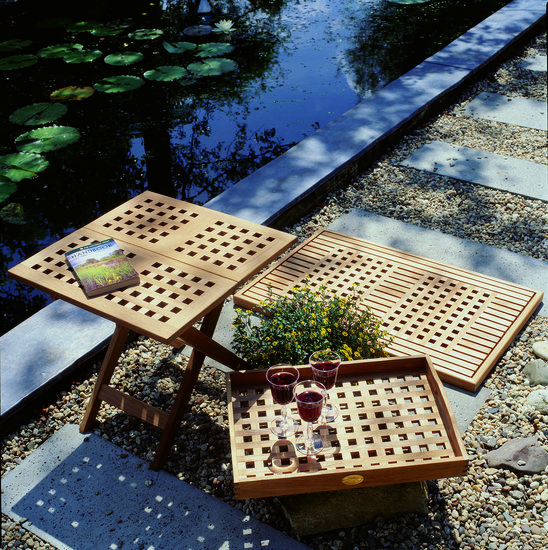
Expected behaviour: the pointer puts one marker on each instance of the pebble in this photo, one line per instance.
(540, 349)
(476, 510)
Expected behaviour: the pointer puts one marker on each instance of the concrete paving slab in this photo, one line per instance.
(44, 348)
(510, 110)
(536, 63)
(474, 48)
(483, 168)
(81, 492)
(488, 260)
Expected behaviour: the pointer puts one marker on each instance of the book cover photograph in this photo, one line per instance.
(101, 267)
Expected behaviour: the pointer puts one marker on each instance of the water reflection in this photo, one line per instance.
(301, 64)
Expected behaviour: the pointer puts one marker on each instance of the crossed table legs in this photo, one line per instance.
(203, 345)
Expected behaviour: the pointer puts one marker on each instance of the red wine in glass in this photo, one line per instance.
(310, 396)
(282, 379)
(325, 366)
(327, 373)
(281, 384)
(309, 405)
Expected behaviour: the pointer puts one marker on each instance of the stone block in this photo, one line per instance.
(319, 512)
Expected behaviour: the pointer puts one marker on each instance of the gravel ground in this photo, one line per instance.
(488, 508)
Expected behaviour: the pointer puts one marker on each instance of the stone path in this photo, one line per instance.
(483, 168)
(510, 110)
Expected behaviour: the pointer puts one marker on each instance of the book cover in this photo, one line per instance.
(101, 267)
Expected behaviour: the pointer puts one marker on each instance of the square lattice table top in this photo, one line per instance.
(189, 259)
(463, 320)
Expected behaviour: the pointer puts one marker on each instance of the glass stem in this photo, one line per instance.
(309, 437)
(283, 425)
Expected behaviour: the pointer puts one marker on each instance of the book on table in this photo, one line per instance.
(101, 267)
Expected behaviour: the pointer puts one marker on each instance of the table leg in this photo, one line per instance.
(185, 391)
(105, 374)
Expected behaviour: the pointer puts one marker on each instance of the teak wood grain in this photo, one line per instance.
(463, 320)
(395, 425)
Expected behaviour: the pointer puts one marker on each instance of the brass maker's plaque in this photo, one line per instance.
(353, 479)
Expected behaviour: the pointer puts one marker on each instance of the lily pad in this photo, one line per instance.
(146, 34)
(7, 188)
(124, 58)
(213, 67)
(20, 166)
(166, 73)
(84, 56)
(116, 84)
(72, 93)
(13, 213)
(38, 113)
(59, 50)
(15, 44)
(17, 62)
(214, 49)
(47, 138)
(107, 31)
(179, 47)
(198, 30)
(84, 26)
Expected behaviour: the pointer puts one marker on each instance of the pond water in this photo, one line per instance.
(294, 65)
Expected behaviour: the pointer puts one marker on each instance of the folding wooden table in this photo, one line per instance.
(461, 319)
(190, 259)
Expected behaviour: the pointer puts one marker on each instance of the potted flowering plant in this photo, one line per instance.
(289, 328)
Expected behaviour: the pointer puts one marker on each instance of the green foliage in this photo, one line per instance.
(84, 56)
(15, 44)
(20, 166)
(146, 34)
(117, 84)
(38, 113)
(47, 138)
(59, 50)
(166, 73)
(179, 47)
(213, 67)
(124, 58)
(17, 62)
(213, 49)
(7, 188)
(294, 326)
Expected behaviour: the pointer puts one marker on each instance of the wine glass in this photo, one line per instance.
(310, 396)
(325, 365)
(282, 379)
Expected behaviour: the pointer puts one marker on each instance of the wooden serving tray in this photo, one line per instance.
(395, 425)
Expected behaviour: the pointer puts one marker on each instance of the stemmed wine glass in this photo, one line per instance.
(325, 365)
(309, 396)
(282, 379)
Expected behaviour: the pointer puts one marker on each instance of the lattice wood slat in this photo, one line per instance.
(395, 425)
(223, 244)
(171, 295)
(462, 319)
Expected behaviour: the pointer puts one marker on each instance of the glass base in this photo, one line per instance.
(329, 414)
(309, 446)
(283, 430)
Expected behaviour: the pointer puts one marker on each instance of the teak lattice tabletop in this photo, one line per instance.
(189, 259)
(395, 425)
(463, 320)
